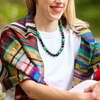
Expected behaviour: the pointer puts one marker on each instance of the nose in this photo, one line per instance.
(59, 1)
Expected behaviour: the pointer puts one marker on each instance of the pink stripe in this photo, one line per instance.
(29, 69)
(88, 38)
(26, 77)
(86, 34)
(21, 61)
(25, 64)
(41, 69)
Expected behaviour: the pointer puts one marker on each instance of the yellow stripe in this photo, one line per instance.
(76, 80)
(13, 52)
(92, 76)
(80, 68)
(84, 31)
(36, 57)
(95, 68)
(3, 74)
(18, 30)
(17, 56)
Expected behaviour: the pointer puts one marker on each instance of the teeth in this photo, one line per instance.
(56, 8)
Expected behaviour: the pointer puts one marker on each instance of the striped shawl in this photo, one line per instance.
(21, 59)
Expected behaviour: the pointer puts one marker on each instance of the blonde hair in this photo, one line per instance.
(69, 14)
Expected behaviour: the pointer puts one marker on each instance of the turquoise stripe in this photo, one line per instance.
(9, 48)
(8, 83)
(82, 54)
(4, 55)
(97, 47)
(7, 40)
(37, 75)
(29, 16)
(11, 82)
(21, 22)
(41, 81)
(19, 59)
(29, 47)
(9, 43)
(28, 42)
(80, 59)
(38, 65)
(87, 36)
(9, 68)
(22, 19)
(96, 52)
(29, 20)
(23, 76)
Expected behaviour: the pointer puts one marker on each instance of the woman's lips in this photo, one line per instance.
(56, 9)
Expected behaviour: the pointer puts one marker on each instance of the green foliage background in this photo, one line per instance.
(87, 10)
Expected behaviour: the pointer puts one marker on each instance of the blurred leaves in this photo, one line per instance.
(2, 96)
(87, 10)
(11, 10)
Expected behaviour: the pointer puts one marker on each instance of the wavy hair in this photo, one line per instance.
(69, 14)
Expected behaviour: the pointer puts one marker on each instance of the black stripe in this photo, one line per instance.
(18, 76)
(33, 28)
(1, 72)
(2, 69)
(23, 29)
(30, 33)
(15, 54)
(35, 59)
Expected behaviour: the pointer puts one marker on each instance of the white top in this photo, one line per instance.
(59, 70)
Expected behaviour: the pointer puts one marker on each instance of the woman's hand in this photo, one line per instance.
(94, 89)
(85, 96)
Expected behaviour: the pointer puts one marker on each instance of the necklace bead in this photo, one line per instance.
(62, 41)
(45, 48)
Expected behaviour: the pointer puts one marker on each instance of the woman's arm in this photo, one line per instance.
(41, 92)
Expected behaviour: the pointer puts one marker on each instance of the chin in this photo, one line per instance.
(56, 17)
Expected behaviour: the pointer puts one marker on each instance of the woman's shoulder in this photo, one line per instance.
(24, 26)
(85, 33)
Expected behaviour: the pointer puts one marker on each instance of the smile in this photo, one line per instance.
(56, 9)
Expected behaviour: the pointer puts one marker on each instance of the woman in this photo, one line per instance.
(43, 48)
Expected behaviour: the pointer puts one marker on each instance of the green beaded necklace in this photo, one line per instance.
(45, 48)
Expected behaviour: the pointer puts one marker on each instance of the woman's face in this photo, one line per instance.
(51, 9)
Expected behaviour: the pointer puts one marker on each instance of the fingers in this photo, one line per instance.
(95, 90)
(89, 89)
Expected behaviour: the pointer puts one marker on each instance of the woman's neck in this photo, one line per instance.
(46, 25)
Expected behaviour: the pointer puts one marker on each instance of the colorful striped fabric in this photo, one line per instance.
(88, 60)
(21, 59)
